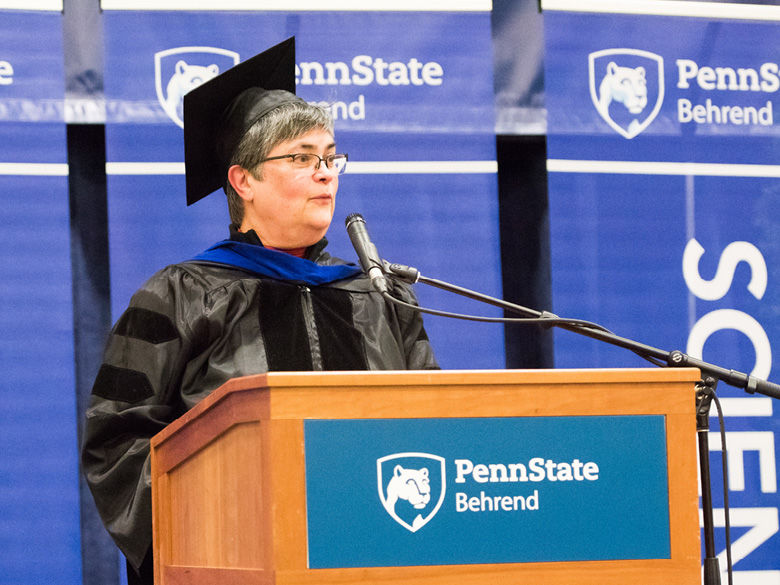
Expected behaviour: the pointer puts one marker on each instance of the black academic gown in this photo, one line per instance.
(195, 325)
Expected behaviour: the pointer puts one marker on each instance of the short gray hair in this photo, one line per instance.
(286, 122)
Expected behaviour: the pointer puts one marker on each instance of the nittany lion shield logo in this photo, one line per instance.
(627, 88)
(411, 487)
(180, 70)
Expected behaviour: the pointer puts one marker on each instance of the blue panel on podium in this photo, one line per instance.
(407, 492)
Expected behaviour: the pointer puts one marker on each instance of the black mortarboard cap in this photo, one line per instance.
(218, 113)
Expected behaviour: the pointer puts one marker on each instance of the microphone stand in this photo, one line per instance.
(674, 358)
(705, 389)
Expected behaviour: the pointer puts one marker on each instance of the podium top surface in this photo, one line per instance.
(466, 377)
(447, 394)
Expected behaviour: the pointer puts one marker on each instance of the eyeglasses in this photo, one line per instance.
(301, 160)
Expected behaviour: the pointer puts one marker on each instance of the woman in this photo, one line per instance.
(269, 298)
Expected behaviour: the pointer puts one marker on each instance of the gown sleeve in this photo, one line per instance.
(134, 396)
(417, 348)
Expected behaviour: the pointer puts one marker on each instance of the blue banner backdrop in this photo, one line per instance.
(664, 152)
(39, 499)
(413, 109)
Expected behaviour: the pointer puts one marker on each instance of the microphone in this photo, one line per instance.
(366, 251)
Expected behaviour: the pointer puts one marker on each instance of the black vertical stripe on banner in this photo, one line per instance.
(91, 318)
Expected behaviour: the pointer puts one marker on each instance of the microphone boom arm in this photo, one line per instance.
(675, 358)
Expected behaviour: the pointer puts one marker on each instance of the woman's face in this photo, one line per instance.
(292, 207)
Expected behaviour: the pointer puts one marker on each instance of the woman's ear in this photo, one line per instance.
(239, 180)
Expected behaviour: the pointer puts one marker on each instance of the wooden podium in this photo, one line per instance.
(229, 477)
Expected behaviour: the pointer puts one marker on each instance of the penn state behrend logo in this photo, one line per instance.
(182, 69)
(627, 88)
(411, 487)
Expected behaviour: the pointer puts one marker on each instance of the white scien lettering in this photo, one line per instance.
(733, 254)
(762, 524)
(732, 319)
(717, 288)
(741, 442)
